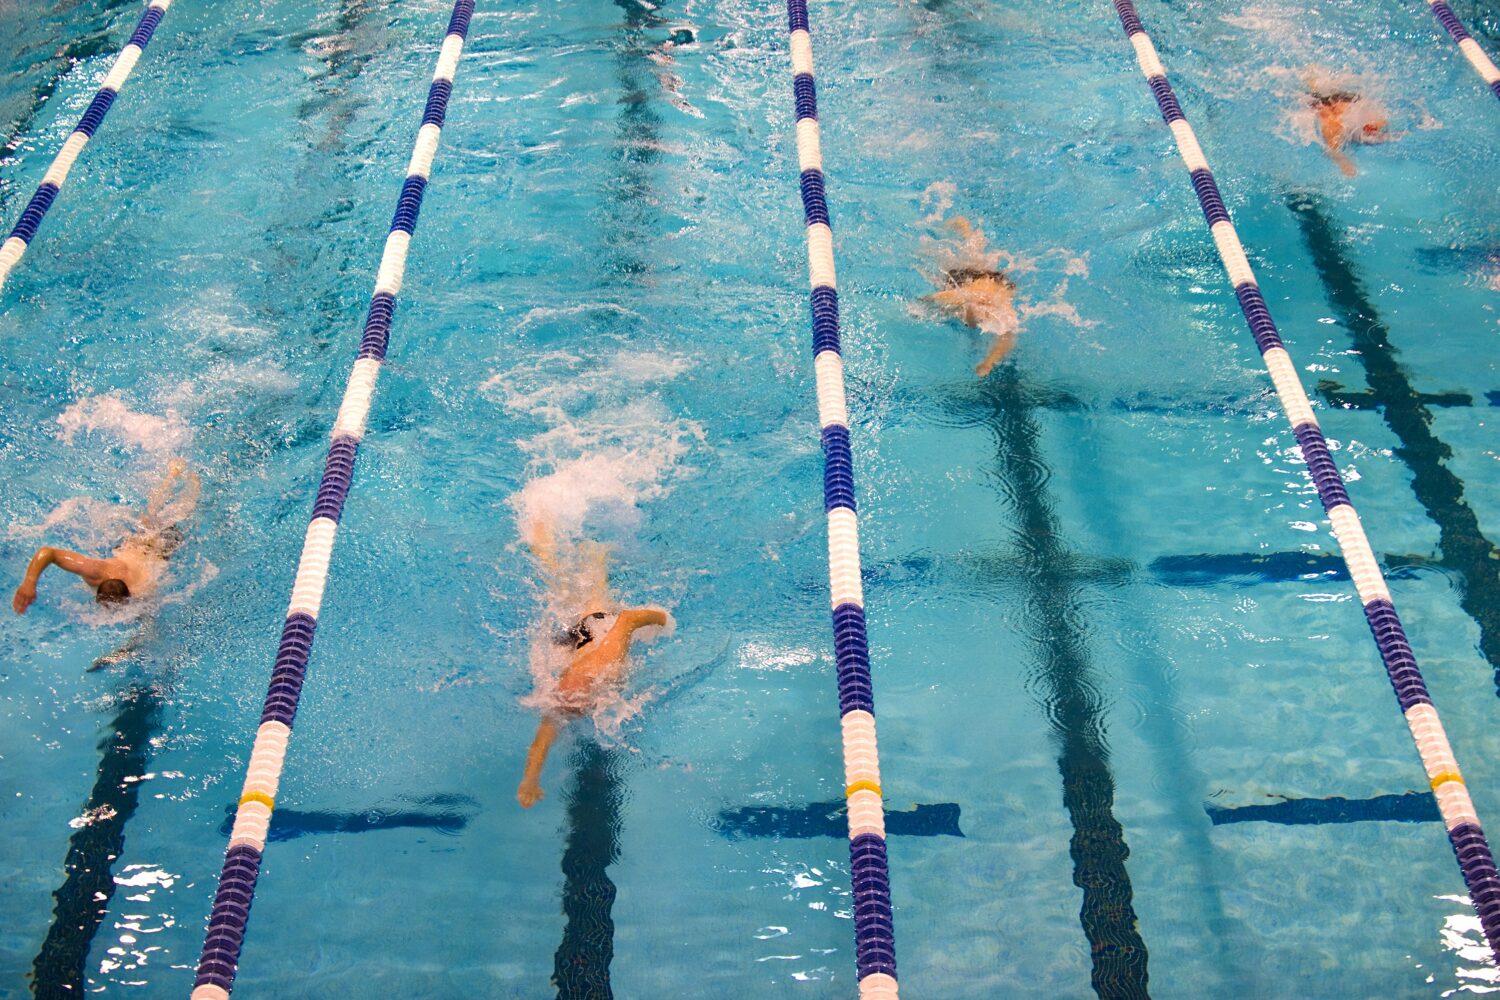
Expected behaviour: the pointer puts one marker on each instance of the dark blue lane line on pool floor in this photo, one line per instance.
(827, 819)
(289, 824)
(82, 901)
(632, 196)
(1408, 807)
(580, 968)
(1202, 570)
(1257, 404)
(1069, 683)
(1463, 545)
(1273, 567)
(1334, 394)
(631, 200)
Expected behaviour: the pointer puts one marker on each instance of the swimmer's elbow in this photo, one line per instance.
(45, 556)
(645, 617)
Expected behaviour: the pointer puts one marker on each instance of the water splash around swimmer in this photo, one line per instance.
(992, 289)
(606, 445)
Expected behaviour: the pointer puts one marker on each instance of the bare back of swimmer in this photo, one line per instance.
(1344, 118)
(981, 298)
(137, 563)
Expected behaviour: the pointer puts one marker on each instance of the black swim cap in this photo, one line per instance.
(577, 635)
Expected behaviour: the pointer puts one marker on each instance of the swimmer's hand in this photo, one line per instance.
(998, 352)
(530, 792)
(129, 651)
(25, 595)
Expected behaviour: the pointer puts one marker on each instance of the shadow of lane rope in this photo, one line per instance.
(1463, 546)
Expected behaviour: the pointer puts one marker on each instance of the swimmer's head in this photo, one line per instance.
(958, 277)
(1333, 98)
(581, 632)
(112, 591)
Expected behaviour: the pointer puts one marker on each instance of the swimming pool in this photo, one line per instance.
(1093, 621)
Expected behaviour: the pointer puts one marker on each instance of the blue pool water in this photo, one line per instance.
(604, 317)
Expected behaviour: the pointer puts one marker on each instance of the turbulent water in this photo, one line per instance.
(1097, 599)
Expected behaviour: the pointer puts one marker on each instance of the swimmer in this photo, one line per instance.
(597, 644)
(1344, 117)
(982, 298)
(136, 565)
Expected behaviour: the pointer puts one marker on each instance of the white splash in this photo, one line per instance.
(597, 468)
(603, 487)
(108, 416)
(228, 382)
(764, 656)
(81, 521)
(1464, 937)
(938, 198)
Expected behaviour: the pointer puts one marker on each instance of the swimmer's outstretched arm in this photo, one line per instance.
(530, 792)
(127, 650)
(1345, 165)
(93, 571)
(538, 538)
(950, 297)
(160, 503)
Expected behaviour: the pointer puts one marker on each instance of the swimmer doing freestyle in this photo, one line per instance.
(982, 298)
(1345, 117)
(596, 643)
(137, 563)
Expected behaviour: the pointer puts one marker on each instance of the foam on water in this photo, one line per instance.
(82, 521)
(607, 445)
(108, 416)
(227, 382)
(937, 200)
(616, 468)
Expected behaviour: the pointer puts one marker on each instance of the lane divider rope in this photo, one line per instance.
(25, 228)
(874, 929)
(1464, 832)
(1467, 45)
(247, 839)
